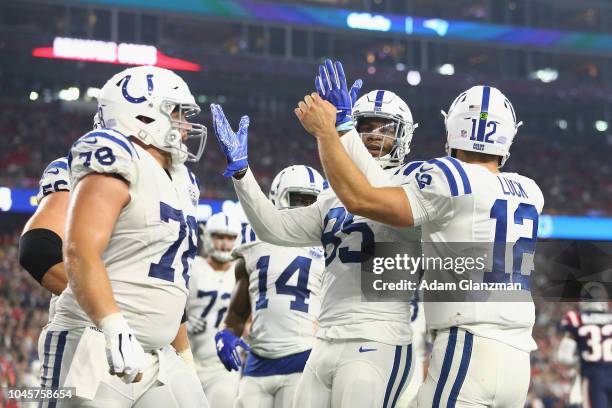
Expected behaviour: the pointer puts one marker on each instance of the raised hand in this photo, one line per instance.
(331, 86)
(233, 144)
(317, 116)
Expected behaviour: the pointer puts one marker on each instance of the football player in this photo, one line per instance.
(280, 288)
(130, 240)
(210, 288)
(362, 353)
(40, 245)
(459, 198)
(588, 333)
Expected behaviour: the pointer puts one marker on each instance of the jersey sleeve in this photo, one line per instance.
(55, 178)
(103, 151)
(570, 323)
(405, 173)
(432, 189)
(246, 240)
(295, 227)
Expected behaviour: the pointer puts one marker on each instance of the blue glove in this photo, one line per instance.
(331, 86)
(233, 144)
(227, 349)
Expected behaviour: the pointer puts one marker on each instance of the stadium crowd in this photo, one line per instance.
(33, 134)
(24, 306)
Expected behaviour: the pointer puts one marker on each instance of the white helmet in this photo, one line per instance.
(224, 224)
(139, 102)
(388, 106)
(299, 179)
(481, 120)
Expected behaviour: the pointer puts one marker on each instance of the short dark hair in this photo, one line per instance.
(478, 156)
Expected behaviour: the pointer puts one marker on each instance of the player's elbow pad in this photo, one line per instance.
(39, 250)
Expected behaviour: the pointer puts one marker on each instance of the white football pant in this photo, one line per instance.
(471, 371)
(354, 374)
(77, 358)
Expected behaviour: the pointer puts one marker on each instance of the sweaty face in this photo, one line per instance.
(378, 135)
(223, 242)
(301, 199)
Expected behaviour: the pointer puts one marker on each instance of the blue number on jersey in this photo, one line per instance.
(523, 245)
(213, 295)
(344, 223)
(301, 265)
(163, 269)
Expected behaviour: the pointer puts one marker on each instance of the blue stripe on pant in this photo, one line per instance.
(464, 363)
(394, 372)
(58, 354)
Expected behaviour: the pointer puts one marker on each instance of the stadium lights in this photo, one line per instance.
(109, 52)
(70, 94)
(367, 21)
(446, 69)
(33, 95)
(562, 124)
(92, 93)
(545, 75)
(400, 67)
(413, 78)
(601, 125)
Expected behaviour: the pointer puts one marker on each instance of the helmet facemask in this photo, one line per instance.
(378, 131)
(186, 140)
(217, 247)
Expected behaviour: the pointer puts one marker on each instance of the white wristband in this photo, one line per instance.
(187, 357)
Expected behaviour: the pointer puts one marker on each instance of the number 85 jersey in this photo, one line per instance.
(153, 242)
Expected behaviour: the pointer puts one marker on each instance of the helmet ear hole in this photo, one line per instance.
(145, 119)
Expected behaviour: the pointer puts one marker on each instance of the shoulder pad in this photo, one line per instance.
(444, 176)
(103, 151)
(55, 178)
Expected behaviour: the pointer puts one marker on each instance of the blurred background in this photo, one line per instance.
(550, 57)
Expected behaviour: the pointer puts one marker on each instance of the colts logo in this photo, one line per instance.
(129, 97)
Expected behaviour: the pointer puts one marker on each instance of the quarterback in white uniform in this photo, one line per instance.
(362, 353)
(210, 288)
(130, 240)
(279, 288)
(481, 351)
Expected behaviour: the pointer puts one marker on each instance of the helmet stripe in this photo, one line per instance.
(310, 174)
(484, 110)
(379, 99)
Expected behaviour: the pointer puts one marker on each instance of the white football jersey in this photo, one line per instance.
(457, 202)
(344, 314)
(284, 291)
(153, 242)
(209, 298)
(55, 178)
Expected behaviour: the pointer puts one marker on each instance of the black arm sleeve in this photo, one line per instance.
(39, 250)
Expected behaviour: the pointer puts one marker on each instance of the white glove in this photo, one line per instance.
(124, 354)
(196, 325)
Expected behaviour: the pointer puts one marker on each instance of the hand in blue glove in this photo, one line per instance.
(227, 349)
(331, 86)
(233, 144)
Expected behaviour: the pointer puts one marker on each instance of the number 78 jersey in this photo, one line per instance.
(458, 202)
(284, 290)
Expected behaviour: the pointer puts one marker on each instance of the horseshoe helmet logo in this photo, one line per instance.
(126, 94)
